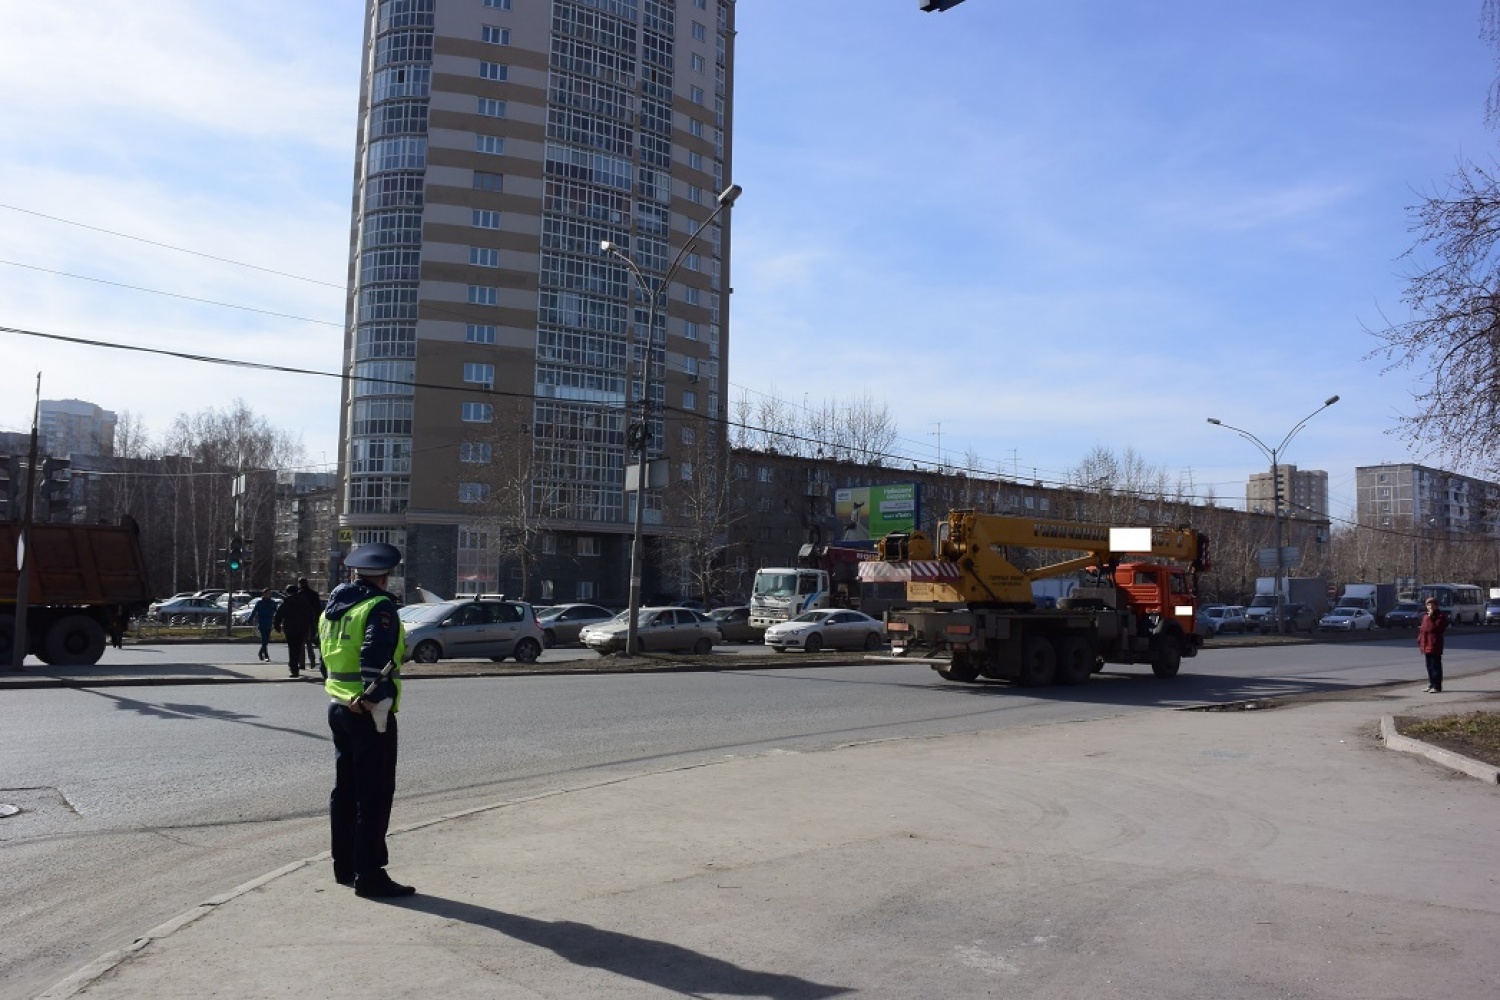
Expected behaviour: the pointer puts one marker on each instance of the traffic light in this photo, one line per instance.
(55, 488)
(236, 554)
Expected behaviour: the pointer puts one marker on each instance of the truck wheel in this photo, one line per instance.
(73, 640)
(1075, 661)
(958, 669)
(1038, 662)
(1168, 657)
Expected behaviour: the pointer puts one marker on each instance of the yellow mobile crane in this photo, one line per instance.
(971, 610)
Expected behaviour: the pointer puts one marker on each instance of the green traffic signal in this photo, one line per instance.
(236, 554)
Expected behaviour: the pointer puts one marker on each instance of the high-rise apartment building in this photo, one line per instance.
(72, 426)
(1304, 493)
(492, 345)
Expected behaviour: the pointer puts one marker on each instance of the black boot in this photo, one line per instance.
(379, 885)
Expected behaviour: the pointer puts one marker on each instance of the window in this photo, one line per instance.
(486, 181)
(695, 94)
(494, 71)
(688, 434)
(491, 108)
(686, 472)
(549, 545)
(695, 127)
(479, 333)
(763, 473)
(689, 399)
(493, 35)
(700, 4)
(481, 295)
(485, 219)
(479, 374)
(690, 295)
(693, 262)
(698, 63)
(474, 451)
(472, 492)
(478, 413)
(489, 144)
(484, 256)
(695, 194)
(695, 160)
(586, 590)
(700, 33)
(505, 4)
(588, 545)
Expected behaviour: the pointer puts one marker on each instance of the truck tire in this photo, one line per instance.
(1075, 660)
(1038, 662)
(963, 670)
(72, 641)
(1167, 656)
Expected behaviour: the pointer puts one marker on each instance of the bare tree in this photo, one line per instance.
(701, 507)
(1453, 337)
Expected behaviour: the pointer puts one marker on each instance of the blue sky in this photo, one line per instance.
(1038, 226)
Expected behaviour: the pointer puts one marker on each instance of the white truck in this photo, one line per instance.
(1376, 598)
(1309, 590)
(781, 593)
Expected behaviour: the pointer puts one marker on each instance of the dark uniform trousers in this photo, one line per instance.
(359, 810)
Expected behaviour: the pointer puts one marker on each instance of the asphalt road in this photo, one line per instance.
(141, 802)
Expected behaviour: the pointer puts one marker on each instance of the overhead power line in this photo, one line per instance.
(168, 246)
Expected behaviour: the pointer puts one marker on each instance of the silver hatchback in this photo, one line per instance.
(471, 630)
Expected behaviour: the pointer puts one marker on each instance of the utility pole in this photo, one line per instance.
(19, 641)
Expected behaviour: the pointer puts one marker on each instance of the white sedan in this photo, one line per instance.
(828, 628)
(1347, 620)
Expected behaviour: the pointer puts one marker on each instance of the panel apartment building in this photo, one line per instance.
(488, 335)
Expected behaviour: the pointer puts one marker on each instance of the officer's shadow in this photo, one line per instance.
(668, 966)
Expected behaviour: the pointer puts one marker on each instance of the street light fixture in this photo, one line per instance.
(1272, 454)
(637, 434)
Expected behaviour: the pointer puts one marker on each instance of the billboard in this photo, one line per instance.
(864, 512)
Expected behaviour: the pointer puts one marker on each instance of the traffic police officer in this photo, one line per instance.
(359, 634)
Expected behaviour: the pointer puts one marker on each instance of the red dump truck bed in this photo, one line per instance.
(80, 578)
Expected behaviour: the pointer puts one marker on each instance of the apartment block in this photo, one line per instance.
(1409, 496)
(495, 348)
(1304, 493)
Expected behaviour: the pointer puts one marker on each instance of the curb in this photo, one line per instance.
(1475, 769)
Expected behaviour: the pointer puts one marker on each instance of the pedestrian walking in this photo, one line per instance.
(1430, 642)
(363, 645)
(263, 615)
(315, 603)
(296, 619)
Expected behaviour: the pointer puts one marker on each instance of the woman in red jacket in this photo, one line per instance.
(1430, 642)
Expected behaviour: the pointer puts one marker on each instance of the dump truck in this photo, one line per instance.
(971, 612)
(81, 580)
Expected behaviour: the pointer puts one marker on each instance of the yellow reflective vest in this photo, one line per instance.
(341, 642)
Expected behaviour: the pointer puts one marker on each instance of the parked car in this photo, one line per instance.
(734, 624)
(664, 630)
(1227, 619)
(243, 612)
(561, 623)
(471, 629)
(1347, 620)
(1297, 618)
(1407, 614)
(833, 628)
(187, 611)
(1491, 613)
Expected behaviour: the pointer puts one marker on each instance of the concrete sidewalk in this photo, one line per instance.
(1281, 852)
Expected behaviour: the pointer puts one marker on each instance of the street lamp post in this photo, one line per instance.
(638, 434)
(1273, 454)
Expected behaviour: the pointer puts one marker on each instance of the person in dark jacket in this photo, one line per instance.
(263, 615)
(360, 633)
(295, 619)
(1430, 642)
(315, 604)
